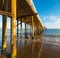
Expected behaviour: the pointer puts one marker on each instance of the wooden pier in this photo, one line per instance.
(18, 10)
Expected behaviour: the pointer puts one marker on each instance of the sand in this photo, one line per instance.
(48, 48)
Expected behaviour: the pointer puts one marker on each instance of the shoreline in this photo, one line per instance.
(48, 46)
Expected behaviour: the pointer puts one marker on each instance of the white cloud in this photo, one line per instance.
(53, 25)
(44, 18)
(54, 18)
(55, 22)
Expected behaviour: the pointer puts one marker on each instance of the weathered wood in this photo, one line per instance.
(21, 28)
(25, 30)
(17, 36)
(17, 28)
(32, 27)
(26, 20)
(24, 8)
(1, 4)
(18, 23)
(6, 13)
(4, 27)
(19, 15)
(4, 33)
(13, 30)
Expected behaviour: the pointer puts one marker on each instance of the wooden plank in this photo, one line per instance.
(1, 4)
(19, 15)
(6, 13)
(29, 21)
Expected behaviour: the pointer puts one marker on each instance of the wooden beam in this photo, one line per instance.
(26, 20)
(19, 15)
(5, 13)
(13, 30)
(1, 4)
(20, 3)
(29, 22)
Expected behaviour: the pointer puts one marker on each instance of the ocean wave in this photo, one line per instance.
(52, 35)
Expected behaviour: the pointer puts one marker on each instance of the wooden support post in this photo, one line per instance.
(4, 31)
(4, 26)
(21, 28)
(31, 30)
(17, 29)
(32, 27)
(25, 30)
(13, 30)
(17, 35)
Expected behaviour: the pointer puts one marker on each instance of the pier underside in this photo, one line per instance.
(18, 11)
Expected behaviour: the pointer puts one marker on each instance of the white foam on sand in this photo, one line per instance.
(51, 40)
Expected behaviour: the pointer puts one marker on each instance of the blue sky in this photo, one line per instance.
(49, 12)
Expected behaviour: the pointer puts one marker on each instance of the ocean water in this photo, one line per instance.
(47, 32)
(51, 36)
(51, 32)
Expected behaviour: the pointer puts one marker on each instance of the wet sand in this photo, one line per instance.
(31, 50)
(26, 49)
(51, 47)
(50, 51)
(37, 49)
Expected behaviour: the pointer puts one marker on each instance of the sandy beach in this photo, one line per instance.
(47, 48)
(50, 51)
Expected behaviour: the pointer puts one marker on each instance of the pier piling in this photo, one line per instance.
(17, 10)
(13, 30)
(32, 27)
(4, 26)
(17, 28)
(21, 28)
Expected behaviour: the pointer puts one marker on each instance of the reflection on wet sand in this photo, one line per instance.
(36, 48)
(50, 51)
(51, 47)
(27, 48)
